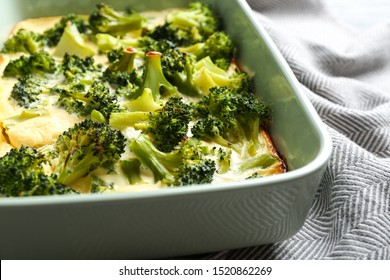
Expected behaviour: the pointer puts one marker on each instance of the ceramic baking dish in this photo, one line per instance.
(188, 220)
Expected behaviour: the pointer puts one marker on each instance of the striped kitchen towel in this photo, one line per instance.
(346, 75)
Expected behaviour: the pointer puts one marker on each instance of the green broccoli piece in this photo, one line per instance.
(74, 99)
(125, 63)
(77, 69)
(22, 174)
(169, 126)
(219, 47)
(260, 161)
(154, 78)
(53, 35)
(100, 186)
(112, 46)
(27, 90)
(230, 119)
(131, 168)
(178, 68)
(211, 128)
(73, 42)
(207, 75)
(85, 147)
(195, 167)
(36, 63)
(186, 166)
(188, 26)
(166, 127)
(107, 20)
(23, 41)
(223, 160)
(123, 76)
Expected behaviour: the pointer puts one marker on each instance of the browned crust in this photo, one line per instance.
(270, 146)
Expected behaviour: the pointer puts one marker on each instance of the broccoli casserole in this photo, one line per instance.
(128, 101)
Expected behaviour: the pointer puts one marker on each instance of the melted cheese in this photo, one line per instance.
(41, 130)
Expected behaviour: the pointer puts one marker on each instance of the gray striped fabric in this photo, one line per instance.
(346, 75)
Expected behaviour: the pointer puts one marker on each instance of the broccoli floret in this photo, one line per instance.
(166, 127)
(22, 174)
(36, 63)
(131, 168)
(230, 119)
(113, 46)
(207, 75)
(211, 128)
(189, 26)
(73, 42)
(223, 160)
(53, 35)
(23, 41)
(219, 47)
(100, 186)
(114, 54)
(169, 126)
(107, 20)
(26, 91)
(242, 83)
(107, 43)
(187, 165)
(85, 147)
(195, 167)
(123, 76)
(74, 99)
(178, 67)
(75, 68)
(154, 78)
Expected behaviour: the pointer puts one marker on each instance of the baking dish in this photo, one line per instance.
(188, 220)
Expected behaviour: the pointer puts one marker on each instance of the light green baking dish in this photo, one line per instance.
(188, 220)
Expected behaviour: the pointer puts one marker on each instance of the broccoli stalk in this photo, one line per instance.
(125, 63)
(22, 174)
(154, 79)
(85, 147)
(185, 166)
(131, 168)
(259, 161)
(23, 41)
(107, 20)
